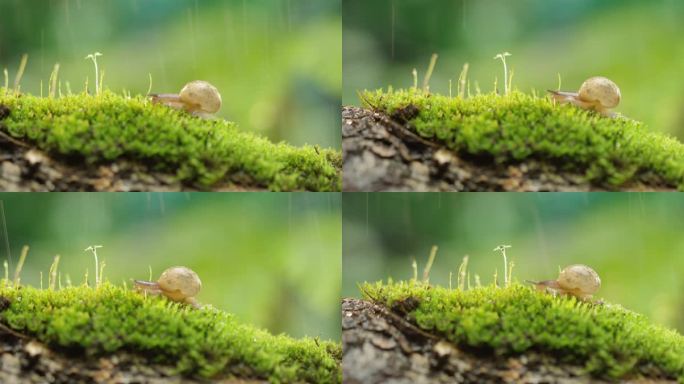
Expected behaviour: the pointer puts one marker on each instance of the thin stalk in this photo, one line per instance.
(502, 249)
(428, 266)
(20, 265)
(503, 56)
(6, 74)
(20, 72)
(462, 78)
(52, 278)
(93, 57)
(149, 89)
(462, 273)
(93, 249)
(53, 81)
(428, 74)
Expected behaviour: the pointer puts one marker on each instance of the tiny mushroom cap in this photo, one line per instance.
(600, 90)
(579, 277)
(202, 96)
(179, 283)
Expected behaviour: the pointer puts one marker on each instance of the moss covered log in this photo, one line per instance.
(511, 129)
(101, 129)
(206, 343)
(608, 340)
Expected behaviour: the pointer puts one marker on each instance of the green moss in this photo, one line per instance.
(108, 127)
(608, 340)
(517, 127)
(205, 342)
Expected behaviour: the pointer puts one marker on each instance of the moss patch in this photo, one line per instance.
(104, 128)
(206, 342)
(608, 340)
(510, 129)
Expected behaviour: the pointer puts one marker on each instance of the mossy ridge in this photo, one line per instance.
(107, 127)
(206, 342)
(518, 126)
(609, 340)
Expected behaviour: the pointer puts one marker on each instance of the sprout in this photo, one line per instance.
(6, 74)
(149, 89)
(20, 265)
(93, 57)
(462, 78)
(52, 85)
(428, 74)
(52, 277)
(20, 72)
(462, 272)
(503, 56)
(93, 249)
(507, 271)
(428, 266)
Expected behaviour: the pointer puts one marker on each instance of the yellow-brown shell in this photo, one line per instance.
(580, 279)
(179, 283)
(600, 90)
(204, 96)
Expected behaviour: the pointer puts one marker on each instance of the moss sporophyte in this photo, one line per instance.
(510, 129)
(203, 342)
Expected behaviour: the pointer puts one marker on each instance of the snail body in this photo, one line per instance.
(574, 280)
(197, 97)
(179, 284)
(597, 93)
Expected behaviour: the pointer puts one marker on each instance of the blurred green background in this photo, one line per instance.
(277, 63)
(638, 44)
(273, 259)
(633, 240)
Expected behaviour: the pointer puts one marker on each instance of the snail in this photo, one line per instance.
(176, 283)
(596, 93)
(575, 280)
(197, 97)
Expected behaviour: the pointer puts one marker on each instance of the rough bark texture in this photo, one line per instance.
(380, 346)
(382, 154)
(23, 360)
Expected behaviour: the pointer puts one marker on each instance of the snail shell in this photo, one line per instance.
(600, 90)
(201, 96)
(179, 283)
(579, 279)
